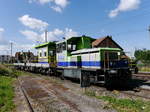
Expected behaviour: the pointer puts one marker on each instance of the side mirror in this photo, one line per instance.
(69, 47)
(118, 53)
(74, 47)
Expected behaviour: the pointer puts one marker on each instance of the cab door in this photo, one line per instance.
(52, 58)
(106, 60)
(79, 62)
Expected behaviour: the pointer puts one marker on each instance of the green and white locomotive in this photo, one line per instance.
(85, 58)
(92, 61)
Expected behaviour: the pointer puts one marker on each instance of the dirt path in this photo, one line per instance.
(48, 95)
(19, 100)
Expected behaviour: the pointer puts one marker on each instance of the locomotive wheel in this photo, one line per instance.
(62, 76)
(136, 70)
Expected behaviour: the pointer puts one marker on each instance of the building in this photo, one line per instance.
(105, 42)
(25, 57)
(5, 58)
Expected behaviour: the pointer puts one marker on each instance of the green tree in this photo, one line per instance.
(142, 55)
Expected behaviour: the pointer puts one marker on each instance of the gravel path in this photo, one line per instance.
(48, 95)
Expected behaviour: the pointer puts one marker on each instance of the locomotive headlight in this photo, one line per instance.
(113, 71)
(126, 62)
(111, 63)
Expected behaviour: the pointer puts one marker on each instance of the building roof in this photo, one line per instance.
(100, 40)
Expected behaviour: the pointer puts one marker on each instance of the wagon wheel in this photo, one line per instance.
(62, 76)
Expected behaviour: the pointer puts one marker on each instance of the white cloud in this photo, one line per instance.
(2, 30)
(57, 9)
(4, 49)
(33, 23)
(31, 35)
(57, 34)
(125, 5)
(5, 45)
(40, 1)
(61, 3)
(17, 47)
(54, 35)
(2, 38)
(70, 33)
(58, 4)
(24, 47)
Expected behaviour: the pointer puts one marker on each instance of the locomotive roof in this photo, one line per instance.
(94, 50)
(44, 45)
(72, 39)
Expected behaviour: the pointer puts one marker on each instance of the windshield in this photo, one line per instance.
(112, 60)
(113, 56)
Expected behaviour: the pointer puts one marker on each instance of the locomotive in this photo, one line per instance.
(85, 58)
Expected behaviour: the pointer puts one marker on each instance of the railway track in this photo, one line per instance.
(144, 89)
(135, 95)
(141, 76)
(145, 73)
(25, 96)
(131, 93)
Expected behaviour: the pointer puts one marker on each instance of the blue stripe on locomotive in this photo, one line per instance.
(117, 64)
(83, 63)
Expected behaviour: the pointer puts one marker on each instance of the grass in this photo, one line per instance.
(127, 105)
(144, 69)
(123, 105)
(7, 77)
(10, 72)
(6, 94)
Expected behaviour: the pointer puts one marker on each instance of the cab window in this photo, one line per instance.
(45, 54)
(40, 54)
(61, 47)
(113, 56)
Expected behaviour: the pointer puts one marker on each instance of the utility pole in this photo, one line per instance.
(11, 45)
(46, 36)
(149, 29)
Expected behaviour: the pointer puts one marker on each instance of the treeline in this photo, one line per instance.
(142, 55)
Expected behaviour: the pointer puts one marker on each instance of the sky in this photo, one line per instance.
(23, 22)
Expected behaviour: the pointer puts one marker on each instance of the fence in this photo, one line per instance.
(144, 67)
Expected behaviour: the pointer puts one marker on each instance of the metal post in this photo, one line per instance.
(45, 35)
(83, 41)
(11, 45)
(149, 29)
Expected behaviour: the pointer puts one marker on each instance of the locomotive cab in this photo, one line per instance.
(113, 60)
(116, 69)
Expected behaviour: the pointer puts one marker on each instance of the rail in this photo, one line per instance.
(25, 96)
